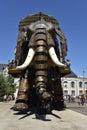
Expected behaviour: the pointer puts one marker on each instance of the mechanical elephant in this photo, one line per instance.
(39, 63)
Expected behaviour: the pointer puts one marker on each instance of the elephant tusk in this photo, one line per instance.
(54, 57)
(28, 60)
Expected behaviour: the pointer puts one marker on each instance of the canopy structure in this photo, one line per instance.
(33, 18)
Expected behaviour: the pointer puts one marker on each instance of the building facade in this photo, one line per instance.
(73, 85)
(4, 69)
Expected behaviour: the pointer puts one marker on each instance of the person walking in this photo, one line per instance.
(78, 100)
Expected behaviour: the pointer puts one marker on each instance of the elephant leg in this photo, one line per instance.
(22, 98)
(58, 101)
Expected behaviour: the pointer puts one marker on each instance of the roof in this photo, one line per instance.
(2, 66)
(71, 75)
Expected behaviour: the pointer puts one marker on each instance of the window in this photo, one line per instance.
(65, 92)
(65, 84)
(80, 84)
(85, 84)
(72, 84)
(73, 93)
(80, 92)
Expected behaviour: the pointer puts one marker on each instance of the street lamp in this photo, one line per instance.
(83, 82)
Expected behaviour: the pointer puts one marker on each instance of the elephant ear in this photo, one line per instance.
(21, 47)
(63, 43)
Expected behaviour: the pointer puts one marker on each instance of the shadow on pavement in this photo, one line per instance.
(37, 116)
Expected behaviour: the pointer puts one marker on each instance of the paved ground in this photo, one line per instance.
(78, 108)
(60, 120)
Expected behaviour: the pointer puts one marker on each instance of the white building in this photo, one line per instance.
(74, 85)
(16, 81)
(4, 69)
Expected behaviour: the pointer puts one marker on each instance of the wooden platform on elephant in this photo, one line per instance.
(14, 72)
(62, 71)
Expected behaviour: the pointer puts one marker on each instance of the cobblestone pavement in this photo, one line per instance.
(78, 108)
(58, 120)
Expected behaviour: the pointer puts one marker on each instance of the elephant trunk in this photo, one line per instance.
(41, 66)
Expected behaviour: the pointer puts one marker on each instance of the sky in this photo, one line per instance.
(72, 18)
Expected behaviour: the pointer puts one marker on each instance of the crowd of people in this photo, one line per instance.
(8, 98)
(79, 99)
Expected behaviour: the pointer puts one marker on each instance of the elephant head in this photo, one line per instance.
(37, 27)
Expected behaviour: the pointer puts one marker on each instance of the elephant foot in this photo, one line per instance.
(20, 106)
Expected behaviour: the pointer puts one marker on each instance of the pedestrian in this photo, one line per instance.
(69, 98)
(82, 99)
(5, 98)
(78, 100)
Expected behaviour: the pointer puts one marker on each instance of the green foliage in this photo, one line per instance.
(7, 85)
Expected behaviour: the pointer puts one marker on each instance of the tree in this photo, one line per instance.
(2, 85)
(7, 85)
